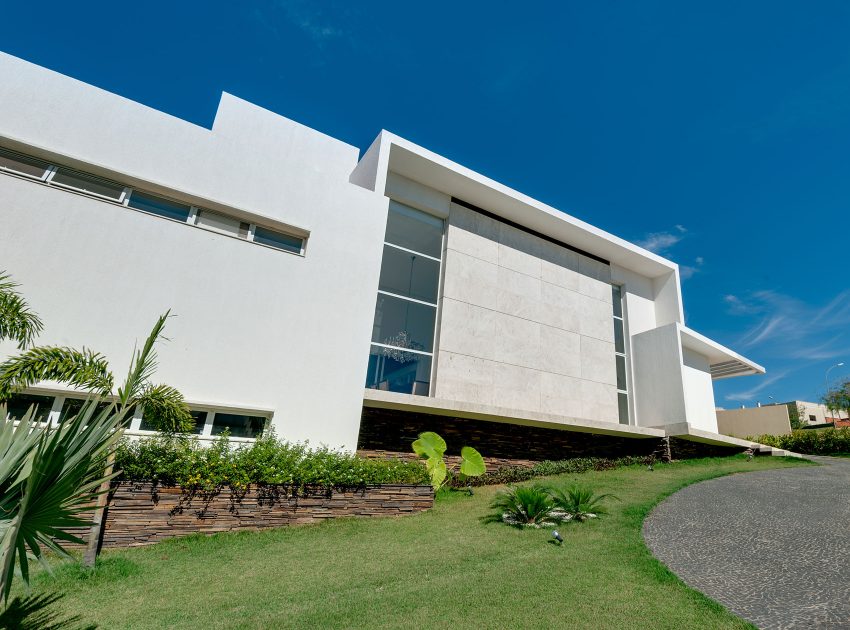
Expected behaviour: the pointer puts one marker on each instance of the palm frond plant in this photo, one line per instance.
(81, 369)
(578, 503)
(17, 321)
(523, 506)
(50, 479)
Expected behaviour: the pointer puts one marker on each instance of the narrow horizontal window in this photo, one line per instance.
(404, 324)
(395, 370)
(22, 164)
(238, 425)
(72, 407)
(20, 404)
(278, 240)
(159, 206)
(410, 275)
(220, 223)
(87, 184)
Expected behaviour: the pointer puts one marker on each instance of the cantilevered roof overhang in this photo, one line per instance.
(391, 153)
(724, 363)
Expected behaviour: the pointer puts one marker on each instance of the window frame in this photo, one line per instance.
(620, 288)
(435, 305)
(52, 168)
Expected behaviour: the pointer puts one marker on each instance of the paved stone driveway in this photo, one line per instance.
(772, 546)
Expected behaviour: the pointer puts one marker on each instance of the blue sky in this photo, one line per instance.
(715, 133)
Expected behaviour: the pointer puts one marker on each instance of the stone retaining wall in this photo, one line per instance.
(142, 513)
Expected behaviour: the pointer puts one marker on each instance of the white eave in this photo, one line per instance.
(395, 154)
(724, 362)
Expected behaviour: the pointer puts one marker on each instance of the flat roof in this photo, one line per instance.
(724, 363)
(430, 169)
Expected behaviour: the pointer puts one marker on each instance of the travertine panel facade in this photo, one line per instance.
(525, 324)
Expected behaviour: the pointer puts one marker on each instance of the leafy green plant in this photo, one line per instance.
(811, 442)
(177, 460)
(432, 448)
(523, 506)
(516, 474)
(578, 503)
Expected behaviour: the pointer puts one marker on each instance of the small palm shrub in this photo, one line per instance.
(578, 503)
(529, 506)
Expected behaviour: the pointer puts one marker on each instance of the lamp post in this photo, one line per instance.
(826, 380)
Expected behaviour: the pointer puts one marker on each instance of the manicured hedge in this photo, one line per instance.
(183, 461)
(810, 441)
(515, 474)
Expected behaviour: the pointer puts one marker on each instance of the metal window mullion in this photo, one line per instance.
(411, 251)
(409, 299)
(386, 345)
(51, 172)
(192, 219)
(207, 430)
(252, 228)
(124, 199)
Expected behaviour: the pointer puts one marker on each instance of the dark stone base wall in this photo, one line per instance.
(142, 514)
(686, 449)
(501, 444)
(389, 433)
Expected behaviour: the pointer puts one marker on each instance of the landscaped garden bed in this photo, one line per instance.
(443, 564)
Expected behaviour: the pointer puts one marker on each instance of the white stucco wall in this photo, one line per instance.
(699, 391)
(253, 327)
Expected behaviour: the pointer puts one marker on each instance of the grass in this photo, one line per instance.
(442, 568)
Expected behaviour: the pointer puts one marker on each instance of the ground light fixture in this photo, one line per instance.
(557, 537)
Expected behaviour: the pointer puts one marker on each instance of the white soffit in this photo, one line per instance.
(428, 168)
(724, 362)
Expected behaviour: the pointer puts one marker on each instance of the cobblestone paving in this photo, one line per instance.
(773, 546)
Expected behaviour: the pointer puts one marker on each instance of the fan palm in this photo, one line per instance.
(578, 503)
(523, 506)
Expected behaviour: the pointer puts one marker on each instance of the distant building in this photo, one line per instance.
(817, 413)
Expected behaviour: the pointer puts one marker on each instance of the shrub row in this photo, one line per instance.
(183, 461)
(515, 474)
(811, 442)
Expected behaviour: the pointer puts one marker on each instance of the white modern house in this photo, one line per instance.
(341, 298)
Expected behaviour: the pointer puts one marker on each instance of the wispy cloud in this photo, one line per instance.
(765, 382)
(689, 271)
(311, 20)
(792, 327)
(787, 329)
(659, 242)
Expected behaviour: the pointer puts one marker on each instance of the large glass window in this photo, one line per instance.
(406, 309)
(620, 354)
(72, 406)
(410, 275)
(414, 230)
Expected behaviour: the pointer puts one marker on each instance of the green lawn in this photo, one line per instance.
(442, 568)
